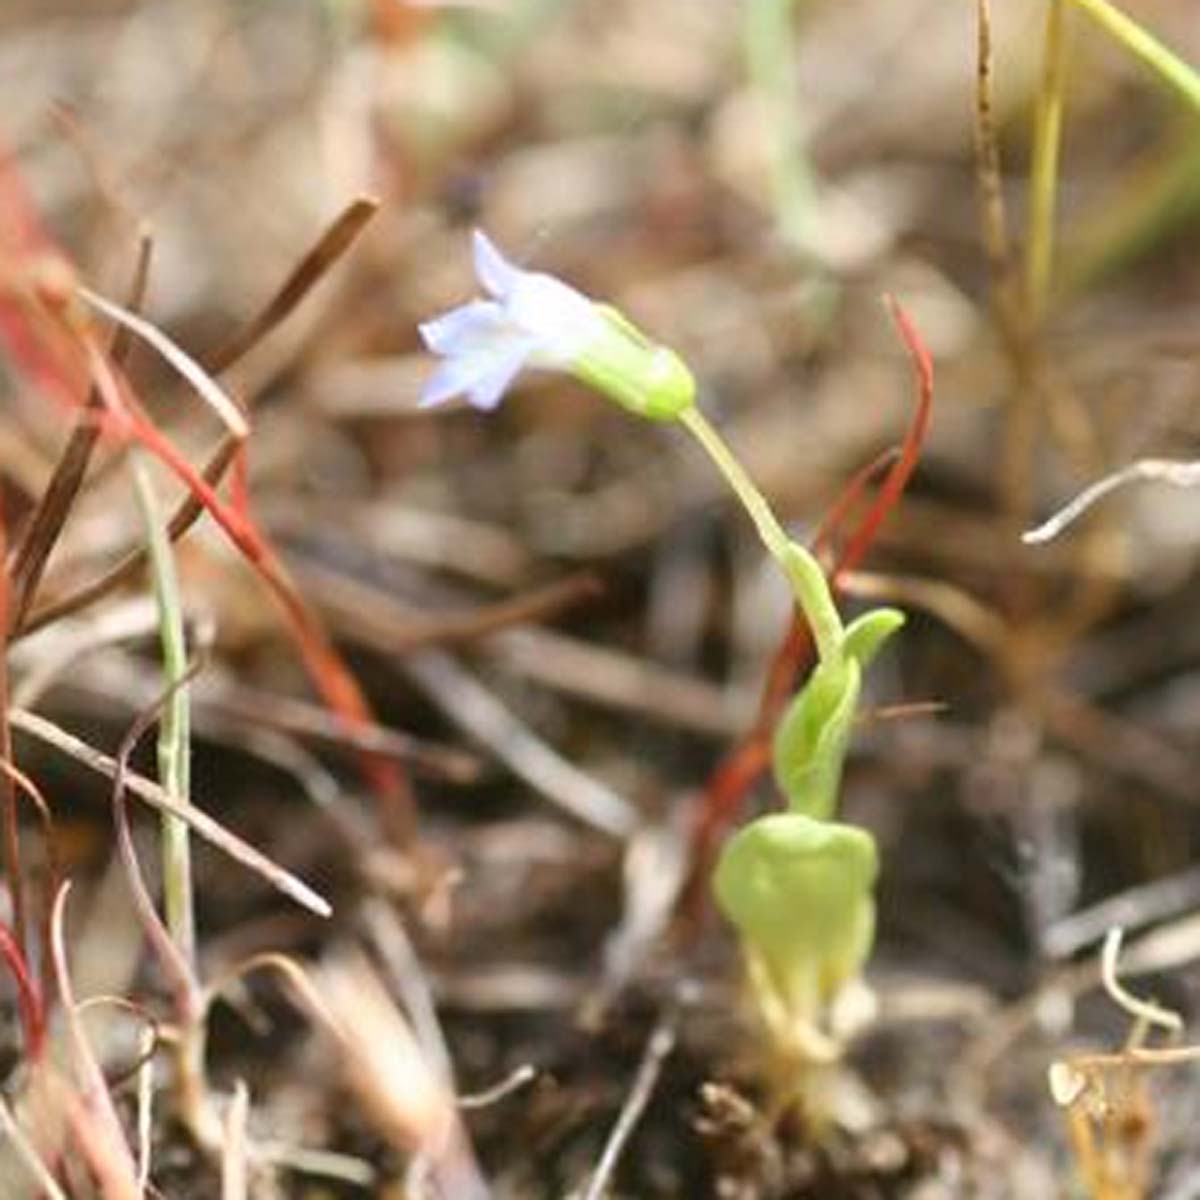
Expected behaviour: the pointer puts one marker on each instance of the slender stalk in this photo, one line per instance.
(27, 1152)
(803, 571)
(174, 769)
(10, 827)
(1183, 77)
(174, 733)
(770, 59)
(1047, 141)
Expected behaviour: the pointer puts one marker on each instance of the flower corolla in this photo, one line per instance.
(531, 319)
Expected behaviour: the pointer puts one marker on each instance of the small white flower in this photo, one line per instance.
(534, 320)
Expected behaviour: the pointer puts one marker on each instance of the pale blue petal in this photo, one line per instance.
(482, 378)
(564, 321)
(452, 378)
(492, 269)
(463, 328)
(489, 391)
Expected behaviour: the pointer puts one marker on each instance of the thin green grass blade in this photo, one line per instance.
(174, 734)
(1043, 172)
(768, 43)
(1165, 63)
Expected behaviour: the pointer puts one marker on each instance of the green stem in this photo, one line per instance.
(1047, 141)
(1168, 65)
(804, 573)
(174, 731)
(770, 59)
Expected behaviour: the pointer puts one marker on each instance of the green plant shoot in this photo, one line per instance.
(797, 885)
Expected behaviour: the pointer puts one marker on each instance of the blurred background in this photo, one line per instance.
(566, 596)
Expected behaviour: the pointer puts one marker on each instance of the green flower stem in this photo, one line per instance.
(174, 733)
(804, 573)
(1047, 143)
(1168, 65)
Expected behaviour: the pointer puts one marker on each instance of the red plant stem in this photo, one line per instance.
(910, 450)
(837, 515)
(29, 1002)
(33, 274)
(23, 784)
(331, 677)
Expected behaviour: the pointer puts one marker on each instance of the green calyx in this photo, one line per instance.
(649, 380)
(799, 892)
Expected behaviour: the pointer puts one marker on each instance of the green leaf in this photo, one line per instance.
(812, 736)
(865, 635)
(800, 893)
(810, 740)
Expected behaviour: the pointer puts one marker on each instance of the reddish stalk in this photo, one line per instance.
(329, 673)
(34, 275)
(50, 342)
(910, 450)
(29, 1001)
(18, 779)
(95, 1122)
(54, 506)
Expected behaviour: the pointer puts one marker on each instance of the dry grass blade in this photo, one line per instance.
(299, 718)
(658, 1048)
(57, 500)
(1149, 470)
(518, 1078)
(27, 1153)
(395, 948)
(404, 1096)
(98, 1126)
(409, 1102)
(234, 1168)
(483, 717)
(620, 680)
(198, 821)
(127, 568)
(1134, 907)
(10, 830)
(962, 612)
(1142, 1011)
(332, 244)
(987, 154)
(370, 616)
(147, 1044)
(204, 385)
(1005, 274)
